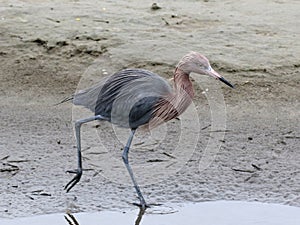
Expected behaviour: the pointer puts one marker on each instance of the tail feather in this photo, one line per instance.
(86, 98)
(67, 99)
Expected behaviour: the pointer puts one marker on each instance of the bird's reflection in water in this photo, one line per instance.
(70, 218)
(140, 216)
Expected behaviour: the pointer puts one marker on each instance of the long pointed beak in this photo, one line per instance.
(213, 73)
(226, 82)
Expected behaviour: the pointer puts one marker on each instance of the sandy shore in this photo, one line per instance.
(48, 49)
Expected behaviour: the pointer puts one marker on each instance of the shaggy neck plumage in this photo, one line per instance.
(183, 84)
(176, 103)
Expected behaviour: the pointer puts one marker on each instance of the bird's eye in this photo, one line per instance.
(200, 65)
(208, 68)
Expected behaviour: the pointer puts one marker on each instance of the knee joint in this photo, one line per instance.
(77, 124)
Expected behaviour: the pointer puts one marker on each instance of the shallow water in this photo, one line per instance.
(206, 213)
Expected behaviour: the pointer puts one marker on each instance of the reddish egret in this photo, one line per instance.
(132, 98)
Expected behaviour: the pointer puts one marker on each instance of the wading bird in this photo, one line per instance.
(134, 98)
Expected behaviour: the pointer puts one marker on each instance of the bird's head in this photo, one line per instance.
(194, 62)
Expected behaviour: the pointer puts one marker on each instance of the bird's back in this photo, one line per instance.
(126, 98)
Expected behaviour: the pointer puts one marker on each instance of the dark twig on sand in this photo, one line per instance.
(256, 167)
(243, 170)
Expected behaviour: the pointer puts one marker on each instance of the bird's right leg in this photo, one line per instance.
(143, 204)
(78, 171)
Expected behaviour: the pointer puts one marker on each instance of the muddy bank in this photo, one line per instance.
(50, 49)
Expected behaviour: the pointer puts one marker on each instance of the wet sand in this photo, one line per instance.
(51, 48)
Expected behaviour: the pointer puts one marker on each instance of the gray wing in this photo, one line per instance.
(126, 98)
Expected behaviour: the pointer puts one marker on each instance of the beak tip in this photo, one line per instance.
(226, 82)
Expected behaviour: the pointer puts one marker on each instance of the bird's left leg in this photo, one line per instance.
(126, 162)
(78, 171)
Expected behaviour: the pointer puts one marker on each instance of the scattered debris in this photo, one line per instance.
(101, 21)
(18, 161)
(253, 175)
(40, 41)
(30, 197)
(169, 155)
(45, 194)
(203, 128)
(156, 160)
(139, 143)
(256, 167)
(53, 20)
(167, 23)
(155, 6)
(226, 130)
(243, 170)
(7, 167)
(39, 192)
(5, 157)
(293, 137)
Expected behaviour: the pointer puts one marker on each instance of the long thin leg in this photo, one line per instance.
(126, 162)
(78, 171)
